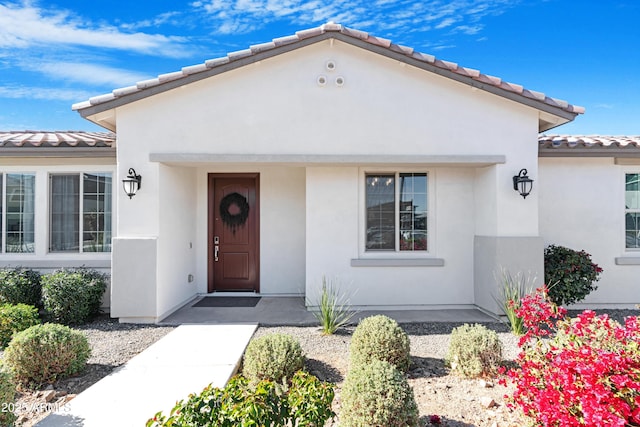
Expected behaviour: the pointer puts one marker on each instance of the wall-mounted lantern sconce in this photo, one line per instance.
(522, 183)
(131, 183)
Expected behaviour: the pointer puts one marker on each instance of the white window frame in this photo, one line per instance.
(634, 251)
(3, 219)
(80, 174)
(362, 229)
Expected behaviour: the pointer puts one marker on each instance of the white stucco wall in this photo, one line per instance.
(311, 220)
(335, 224)
(582, 207)
(177, 236)
(42, 259)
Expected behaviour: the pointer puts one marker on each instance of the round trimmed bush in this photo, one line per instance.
(380, 338)
(377, 394)
(7, 398)
(20, 286)
(474, 351)
(272, 357)
(569, 274)
(45, 353)
(73, 296)
(16, 318)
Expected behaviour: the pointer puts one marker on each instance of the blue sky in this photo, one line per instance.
(56, 53)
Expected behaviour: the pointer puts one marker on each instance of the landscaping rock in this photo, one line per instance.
(487, 402)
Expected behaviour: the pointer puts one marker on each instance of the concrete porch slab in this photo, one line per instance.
(184, 361)
(291, 311)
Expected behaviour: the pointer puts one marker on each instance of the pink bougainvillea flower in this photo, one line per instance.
(435, 420)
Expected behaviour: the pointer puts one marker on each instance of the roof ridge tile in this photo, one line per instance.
(409, 52)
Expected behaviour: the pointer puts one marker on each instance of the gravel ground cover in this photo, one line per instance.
(112, 344)
(458, 402)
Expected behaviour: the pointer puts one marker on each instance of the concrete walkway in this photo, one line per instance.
(182, 362)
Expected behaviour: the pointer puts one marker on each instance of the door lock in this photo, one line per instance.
(216, 248)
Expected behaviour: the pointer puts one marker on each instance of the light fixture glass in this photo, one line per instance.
(522, 183)
(131, 184)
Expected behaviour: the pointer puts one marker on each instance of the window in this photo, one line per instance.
(80, 213)
(396, 217)
(632, 210)
(17, 212)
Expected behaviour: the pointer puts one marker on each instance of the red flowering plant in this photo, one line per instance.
(576, 372)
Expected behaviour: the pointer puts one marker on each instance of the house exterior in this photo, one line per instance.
(333, 153)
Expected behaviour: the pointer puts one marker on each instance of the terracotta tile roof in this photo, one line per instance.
(590, 146)
(15, 143)
(349, 35)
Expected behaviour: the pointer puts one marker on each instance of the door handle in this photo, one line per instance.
(215, 252)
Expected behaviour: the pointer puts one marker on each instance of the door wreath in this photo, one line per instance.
(234, 210)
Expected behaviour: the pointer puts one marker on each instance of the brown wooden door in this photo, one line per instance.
(233, 232)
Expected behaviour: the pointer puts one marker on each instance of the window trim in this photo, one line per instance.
(3, 213)
(80, 174)
(396, 257)
(635, 252)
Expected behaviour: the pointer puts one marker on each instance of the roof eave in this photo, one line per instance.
(616, 152)
(59, 152)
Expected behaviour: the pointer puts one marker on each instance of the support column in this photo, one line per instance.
(133, 279)
(492, 254)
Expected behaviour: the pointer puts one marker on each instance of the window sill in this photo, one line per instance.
(399, 262)
(628, 260)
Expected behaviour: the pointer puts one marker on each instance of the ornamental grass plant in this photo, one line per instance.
(513, 289)
(334, 308)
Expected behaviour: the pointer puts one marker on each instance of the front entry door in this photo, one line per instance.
(233, 232)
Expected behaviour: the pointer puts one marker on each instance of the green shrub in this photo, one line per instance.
(45, 353)
(272, 357)
(73, 296)
(377, 394)
(334, 308)
(474, 351)
(569, 274)
(380, 338)
(20, 286)
(16, 318)
(7, 398)
(307, 402)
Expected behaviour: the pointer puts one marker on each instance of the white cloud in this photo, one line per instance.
(458, 16)
(162, 19)
(447, 22)
(93, 74)
(24, 26)
(468, 29)
(40, 93)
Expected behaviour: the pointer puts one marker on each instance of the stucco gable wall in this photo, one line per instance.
(277, 106)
